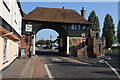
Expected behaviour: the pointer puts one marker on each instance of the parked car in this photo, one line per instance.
(38, 45)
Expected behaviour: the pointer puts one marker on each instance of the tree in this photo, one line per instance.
(95, 21)
(118, 32)
(108, 30)
(115, 39)
(40, 42)
(48, 42)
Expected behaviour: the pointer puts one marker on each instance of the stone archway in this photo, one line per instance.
(61, 29)
(62, 35)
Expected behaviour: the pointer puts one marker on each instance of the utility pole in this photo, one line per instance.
(51, 42)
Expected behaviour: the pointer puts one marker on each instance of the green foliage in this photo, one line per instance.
(43, 42)
(95, 21)
(118, 31)
(115, 39)
(108, 30)
(47, 42)
(40, 42)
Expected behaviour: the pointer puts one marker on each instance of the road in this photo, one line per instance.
(113, 59)
(58, 67)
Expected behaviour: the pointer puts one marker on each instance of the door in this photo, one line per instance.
(23, 52)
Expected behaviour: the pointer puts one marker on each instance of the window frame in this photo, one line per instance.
(5, 50)
(6, 4)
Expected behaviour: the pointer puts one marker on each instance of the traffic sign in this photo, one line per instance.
(83, 34)
(83, 39)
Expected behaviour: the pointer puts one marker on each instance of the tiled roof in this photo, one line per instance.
(55, 15)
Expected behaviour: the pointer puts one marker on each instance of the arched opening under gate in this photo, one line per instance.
(51, 43)
(47, 42)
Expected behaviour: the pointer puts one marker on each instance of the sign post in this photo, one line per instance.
(84, 40)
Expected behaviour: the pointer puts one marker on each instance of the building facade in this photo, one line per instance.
(10, 31)
(72, 28)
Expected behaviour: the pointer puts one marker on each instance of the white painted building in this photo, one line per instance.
(10, 31)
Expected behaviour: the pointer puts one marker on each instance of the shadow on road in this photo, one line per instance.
(47, 52)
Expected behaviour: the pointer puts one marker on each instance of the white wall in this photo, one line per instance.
(12, 16)
(11, 52)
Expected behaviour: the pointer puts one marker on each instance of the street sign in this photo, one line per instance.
(28, 27)
(83, 34)
(83, 39)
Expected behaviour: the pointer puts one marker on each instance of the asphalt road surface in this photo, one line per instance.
(113, 59)
(65, 68)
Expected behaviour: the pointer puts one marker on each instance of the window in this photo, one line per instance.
(72, 27)
(75, 27)
(15, 14)
(79, 27)
(5, 49)
(84, 27)
(6, 3)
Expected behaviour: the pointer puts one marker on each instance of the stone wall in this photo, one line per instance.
(82, 52)
(76, 47)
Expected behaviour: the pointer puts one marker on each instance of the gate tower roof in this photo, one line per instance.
(56, 15)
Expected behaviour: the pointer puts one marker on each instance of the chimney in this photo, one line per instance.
(83, 13)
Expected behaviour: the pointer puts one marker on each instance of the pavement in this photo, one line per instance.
(25, 68)
(89, 60)
(18, 69)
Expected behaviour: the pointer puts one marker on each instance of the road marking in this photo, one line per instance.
(33, 65)
(113, 69)
(48, 72)
(23, 72)
(56, 59)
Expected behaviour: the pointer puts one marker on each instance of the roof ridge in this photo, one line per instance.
(53, 8)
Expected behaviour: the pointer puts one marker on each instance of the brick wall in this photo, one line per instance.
(25, 44)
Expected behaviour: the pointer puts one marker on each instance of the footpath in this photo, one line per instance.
(18, 69)
(25, 68)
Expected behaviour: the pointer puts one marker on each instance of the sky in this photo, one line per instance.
(101, 9)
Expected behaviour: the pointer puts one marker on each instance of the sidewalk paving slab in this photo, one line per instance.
(16, 69)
